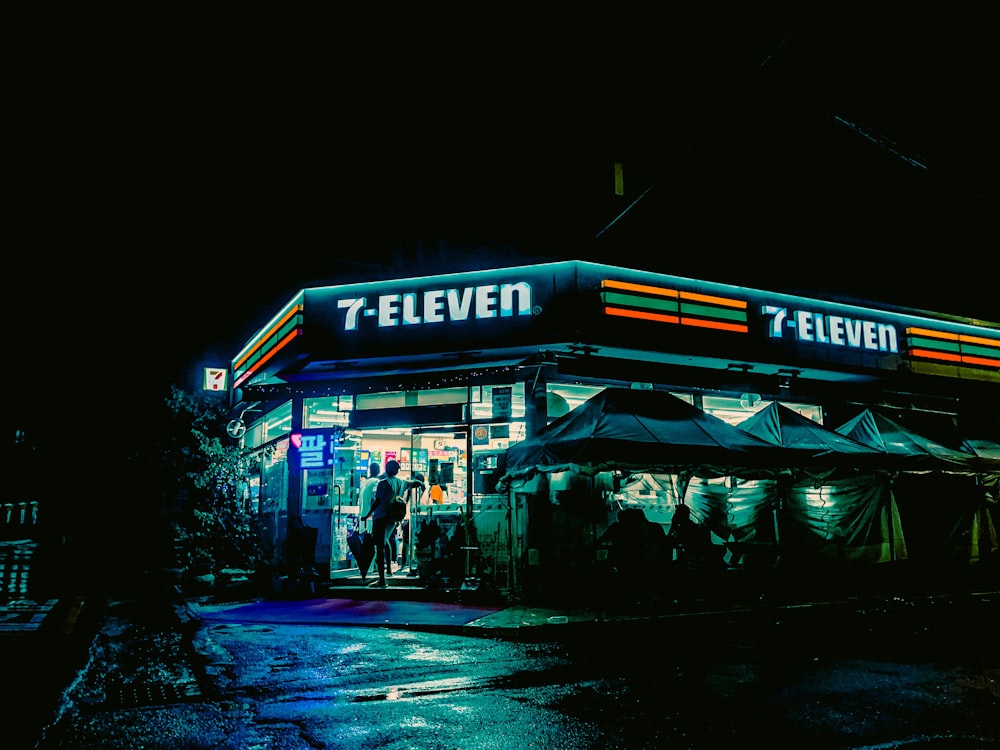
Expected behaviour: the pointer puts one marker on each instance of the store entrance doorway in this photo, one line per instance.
(437, 530)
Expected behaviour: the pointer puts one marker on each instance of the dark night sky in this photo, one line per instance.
(180, 172)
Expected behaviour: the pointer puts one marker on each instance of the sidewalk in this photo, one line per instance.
(405, 603)
(409, 606)
(345, 599)
(513, 621)
(407, 613)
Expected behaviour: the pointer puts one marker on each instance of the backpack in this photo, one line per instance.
(397, 509)
(397, 506)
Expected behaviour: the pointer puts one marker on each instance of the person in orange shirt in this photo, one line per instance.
(436, 494)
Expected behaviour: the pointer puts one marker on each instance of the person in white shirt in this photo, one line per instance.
(368, 491)
(383, 522)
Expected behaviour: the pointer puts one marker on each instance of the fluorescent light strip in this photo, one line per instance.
(711, 309)
(919, 342)
(932, 354)
(986, 351)
(297, 302)
(658, 290)
(931, 333)
(962, 337)
(963, 349)
(664, 292)
(263, 360)
(717, 325)
(710, 299)
(713, 312)
(995, 343)
(639, 315)
(983, 361)
(296, 310)
(614, 298)
(959, 358)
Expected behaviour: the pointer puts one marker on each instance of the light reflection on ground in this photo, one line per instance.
(433, 656)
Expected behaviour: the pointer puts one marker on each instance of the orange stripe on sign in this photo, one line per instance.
(725, 301)
(933, 334)
(622, 313)
(610, 284)
(294, 311)
(984, 361)
(263, 360)
(929, 354)
(979, 340)
(714, 324)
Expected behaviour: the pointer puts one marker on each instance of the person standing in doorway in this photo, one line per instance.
(383, 525)
(365, 498)
(367, 495)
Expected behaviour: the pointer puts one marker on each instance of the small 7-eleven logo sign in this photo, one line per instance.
(215, 379)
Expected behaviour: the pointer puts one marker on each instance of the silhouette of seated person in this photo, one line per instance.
(691, 545)
(637, 549)
(635, 544)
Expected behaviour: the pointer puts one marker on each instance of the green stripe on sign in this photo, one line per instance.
(631, 300)
(918, 342)
(982, 351)
(713, 312)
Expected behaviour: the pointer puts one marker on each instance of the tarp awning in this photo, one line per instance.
(782, 426)
(905, 449)
(638, 430)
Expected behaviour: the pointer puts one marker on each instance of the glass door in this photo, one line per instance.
(443, 457)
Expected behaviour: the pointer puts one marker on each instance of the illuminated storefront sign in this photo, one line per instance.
(215, 379)
(439, 305)
(834, 330)
(315, 448)
(576, 302)
(952, 348)
(666, 305)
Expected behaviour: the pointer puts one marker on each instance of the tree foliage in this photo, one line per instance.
(214, 528)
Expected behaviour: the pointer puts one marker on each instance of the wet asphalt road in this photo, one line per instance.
(901, 675)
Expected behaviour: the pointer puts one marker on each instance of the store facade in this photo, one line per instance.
(445, 373)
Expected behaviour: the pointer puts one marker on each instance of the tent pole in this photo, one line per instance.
(891, 520)
(776, 510)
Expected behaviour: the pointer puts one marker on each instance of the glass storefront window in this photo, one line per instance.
(439, 396)
(564, 397)
(390, 400)
(481, 401)
(326, 412)
(400, 399)
(278, 422)
(273, 425)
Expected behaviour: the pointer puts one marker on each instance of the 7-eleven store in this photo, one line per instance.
(444, 373)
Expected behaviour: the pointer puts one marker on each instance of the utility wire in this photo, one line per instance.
(627, 209)
(741, 88)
